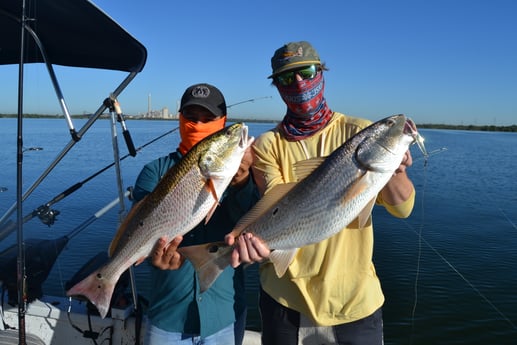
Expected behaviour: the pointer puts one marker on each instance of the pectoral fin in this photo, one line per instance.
(364, 215)
(211, 212)
(359, 186)
(211, 189)
(355, 191)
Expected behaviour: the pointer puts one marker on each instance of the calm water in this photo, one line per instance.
(447, 271)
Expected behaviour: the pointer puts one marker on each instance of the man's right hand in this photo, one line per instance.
(165, 255)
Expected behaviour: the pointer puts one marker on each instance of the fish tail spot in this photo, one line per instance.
(213, 248)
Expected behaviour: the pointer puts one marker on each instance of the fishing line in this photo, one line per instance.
(461, 275)
(419, 255)
(488, 197)
(432, 153)
(421, 240)
(507, 218)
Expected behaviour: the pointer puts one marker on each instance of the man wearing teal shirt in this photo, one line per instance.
(178, 313)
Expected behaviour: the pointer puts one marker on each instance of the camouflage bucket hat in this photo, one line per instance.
(293, 55)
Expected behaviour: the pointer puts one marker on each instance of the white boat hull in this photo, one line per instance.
(47, 319)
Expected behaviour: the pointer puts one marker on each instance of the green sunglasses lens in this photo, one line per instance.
(287, 78)
(308, 72)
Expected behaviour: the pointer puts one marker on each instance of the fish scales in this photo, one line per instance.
(166, 216)
(299, 213)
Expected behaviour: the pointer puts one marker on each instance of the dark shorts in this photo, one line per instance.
(280, 326)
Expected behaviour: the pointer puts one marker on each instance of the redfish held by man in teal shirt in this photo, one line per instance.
(188, 193)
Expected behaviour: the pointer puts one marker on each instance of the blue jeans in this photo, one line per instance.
(157, 336)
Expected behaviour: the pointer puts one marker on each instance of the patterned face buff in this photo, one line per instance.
(307, 110)
(193, 132)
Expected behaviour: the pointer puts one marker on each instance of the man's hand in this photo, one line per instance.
(407, 161)
(165, 255)
(247, 249)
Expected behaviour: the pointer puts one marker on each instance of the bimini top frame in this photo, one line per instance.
(73, 33)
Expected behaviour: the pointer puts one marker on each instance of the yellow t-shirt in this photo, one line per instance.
(333, 281)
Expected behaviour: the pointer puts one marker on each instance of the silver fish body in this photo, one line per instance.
(188, 193)
(342, 188)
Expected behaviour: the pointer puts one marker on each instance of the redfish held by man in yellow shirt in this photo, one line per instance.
(331, 193)
(188, 193)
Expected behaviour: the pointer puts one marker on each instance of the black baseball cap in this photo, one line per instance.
(206, 96)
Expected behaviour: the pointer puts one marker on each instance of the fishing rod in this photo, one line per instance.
(21, 280)
(48, 215)
(95, 216)
(248, 100)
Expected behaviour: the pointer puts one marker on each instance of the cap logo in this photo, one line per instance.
(289, 54)
(200, 92)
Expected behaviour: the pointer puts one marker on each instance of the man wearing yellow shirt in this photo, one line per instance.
(330, 293)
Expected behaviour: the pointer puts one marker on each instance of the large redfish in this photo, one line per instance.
(341, 188)
(189, 192)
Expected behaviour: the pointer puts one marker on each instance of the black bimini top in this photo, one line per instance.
(73, 33)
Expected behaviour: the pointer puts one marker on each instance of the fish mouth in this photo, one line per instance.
(245, 140)
(410, 129)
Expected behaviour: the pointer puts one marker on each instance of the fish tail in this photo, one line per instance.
(97, 289)
(209, 260)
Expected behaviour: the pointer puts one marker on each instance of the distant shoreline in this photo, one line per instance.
(483, 128)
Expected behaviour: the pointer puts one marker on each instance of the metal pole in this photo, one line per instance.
(21, 279)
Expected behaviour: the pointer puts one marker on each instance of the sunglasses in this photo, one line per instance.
(287, 78)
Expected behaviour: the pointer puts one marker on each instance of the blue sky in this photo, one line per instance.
(437, 61)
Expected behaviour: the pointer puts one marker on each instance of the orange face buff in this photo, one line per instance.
(193, 132)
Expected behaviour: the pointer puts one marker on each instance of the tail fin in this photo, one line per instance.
(97, 289)
(209, 260)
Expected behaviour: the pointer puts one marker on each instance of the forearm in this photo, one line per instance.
(398, 189)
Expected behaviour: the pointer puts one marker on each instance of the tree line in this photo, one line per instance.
(484, 128)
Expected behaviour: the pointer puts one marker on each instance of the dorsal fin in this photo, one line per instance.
(269, 199)
(122, 228)
(302, 169)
